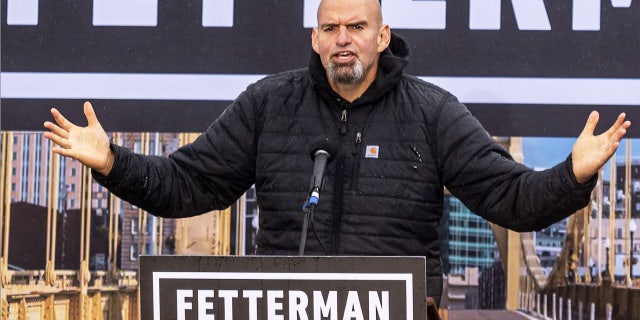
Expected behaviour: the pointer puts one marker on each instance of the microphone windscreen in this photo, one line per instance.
(323, 144)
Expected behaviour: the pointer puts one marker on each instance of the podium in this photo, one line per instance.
(282, 288)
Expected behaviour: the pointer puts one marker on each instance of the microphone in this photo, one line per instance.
(320, 153)
(320, 158)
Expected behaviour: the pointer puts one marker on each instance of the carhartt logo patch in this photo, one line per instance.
(372, 152)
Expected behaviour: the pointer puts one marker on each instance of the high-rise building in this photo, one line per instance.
(30, 172)
(466, 238)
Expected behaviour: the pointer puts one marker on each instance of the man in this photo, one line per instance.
(398, 140)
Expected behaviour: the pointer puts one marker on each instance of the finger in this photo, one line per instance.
(619, 134)
(618, 123)
(57, 140)
(90, 114)
(592, 121)
(63, 152)
(56, 130)
(619, 128)
(61, 120)
(621, 123)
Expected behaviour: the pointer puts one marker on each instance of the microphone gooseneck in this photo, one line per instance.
(320, 153)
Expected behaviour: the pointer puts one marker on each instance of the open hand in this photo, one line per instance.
(89, 145)
(591, 152)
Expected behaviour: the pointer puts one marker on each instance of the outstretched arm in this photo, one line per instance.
(483, 175)
(591, 152)
(89, 145)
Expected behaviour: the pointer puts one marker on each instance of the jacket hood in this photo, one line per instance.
(391, 64)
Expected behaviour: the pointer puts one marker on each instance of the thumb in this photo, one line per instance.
(590, 126)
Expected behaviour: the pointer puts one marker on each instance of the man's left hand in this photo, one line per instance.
(591, 152)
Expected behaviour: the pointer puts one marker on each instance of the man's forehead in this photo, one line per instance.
(345, 11)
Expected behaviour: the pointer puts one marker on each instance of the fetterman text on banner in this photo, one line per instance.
(282, 288)
(534, 67)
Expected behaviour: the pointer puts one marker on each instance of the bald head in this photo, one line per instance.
(369, 7)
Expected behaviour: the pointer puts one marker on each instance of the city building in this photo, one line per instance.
(548, 243)
(31, 172)
(466, 239)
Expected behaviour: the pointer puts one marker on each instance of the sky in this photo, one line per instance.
(546, 152)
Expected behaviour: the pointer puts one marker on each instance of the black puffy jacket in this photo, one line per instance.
(397, 146)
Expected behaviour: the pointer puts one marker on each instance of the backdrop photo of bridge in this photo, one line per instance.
(70, 249)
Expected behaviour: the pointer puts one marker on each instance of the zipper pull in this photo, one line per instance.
(343, 122)
(358, 140)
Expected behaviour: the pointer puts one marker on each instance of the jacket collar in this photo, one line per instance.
(392, 62)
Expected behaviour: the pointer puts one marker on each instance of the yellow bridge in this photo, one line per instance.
(106, 286)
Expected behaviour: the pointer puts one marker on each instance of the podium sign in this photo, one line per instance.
(282, 288)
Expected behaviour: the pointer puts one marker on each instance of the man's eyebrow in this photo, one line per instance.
(358, 23)
(330, 24)
(333, 24)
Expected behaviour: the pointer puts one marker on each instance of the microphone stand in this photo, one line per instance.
(308, 216)
(308, 208)
(320, 156)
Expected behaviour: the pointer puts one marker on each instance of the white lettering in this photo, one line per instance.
(322, 309)
(139, 13)
(401, 14)
(274, 304)
(22, 12)
(621, 3)
(181, 304)
(298, 302)
(409, 14)
(217, 13)
(227, 296)
(530, 14)
(586, 15)
(484, 14)
(310, 18)
(378, 305)
(353, 308)
(204, 305)
(252, 296)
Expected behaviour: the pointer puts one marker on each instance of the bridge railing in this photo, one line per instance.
(27, 295)
(583, 301)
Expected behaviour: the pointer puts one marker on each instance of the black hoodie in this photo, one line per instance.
(397, 147)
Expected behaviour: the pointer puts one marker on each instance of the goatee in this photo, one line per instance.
(345, 72)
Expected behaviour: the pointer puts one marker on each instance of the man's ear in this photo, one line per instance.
(314, 40)
(384, 37)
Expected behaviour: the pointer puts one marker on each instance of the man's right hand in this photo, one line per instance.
(89, 145)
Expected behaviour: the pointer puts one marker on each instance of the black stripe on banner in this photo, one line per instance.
(196, 116)
(531, 120)
(115, 115)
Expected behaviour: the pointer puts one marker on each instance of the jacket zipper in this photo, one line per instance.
(356, 160)
(338, 188)
(343, 122)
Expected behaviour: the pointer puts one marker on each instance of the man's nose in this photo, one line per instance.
(343, 37)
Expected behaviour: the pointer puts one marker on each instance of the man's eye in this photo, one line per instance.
(357, 27)
(328, 29)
